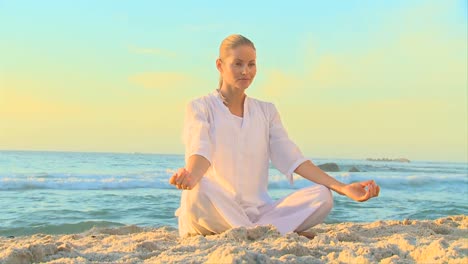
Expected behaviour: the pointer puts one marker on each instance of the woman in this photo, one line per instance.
(230, 139)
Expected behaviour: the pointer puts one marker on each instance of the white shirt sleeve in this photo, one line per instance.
(196, 136)
(284, 153)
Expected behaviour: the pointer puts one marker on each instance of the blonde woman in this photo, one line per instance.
(229, 139)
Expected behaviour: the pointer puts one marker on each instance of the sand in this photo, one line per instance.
(443, 240)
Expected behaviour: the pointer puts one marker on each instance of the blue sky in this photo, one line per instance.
(350, 78)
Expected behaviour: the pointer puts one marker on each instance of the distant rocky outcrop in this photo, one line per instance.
(354, 169)
(332, 167)
(387, 159)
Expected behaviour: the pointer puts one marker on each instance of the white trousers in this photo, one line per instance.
(207, 209)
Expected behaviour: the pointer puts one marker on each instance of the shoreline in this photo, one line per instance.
(390, 241)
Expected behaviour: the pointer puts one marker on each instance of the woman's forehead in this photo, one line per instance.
(244, 53)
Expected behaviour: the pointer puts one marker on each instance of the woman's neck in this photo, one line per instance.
(234, 97)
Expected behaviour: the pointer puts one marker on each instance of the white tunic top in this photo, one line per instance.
(239, 149)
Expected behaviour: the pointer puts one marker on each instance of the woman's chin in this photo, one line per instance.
(243, 85)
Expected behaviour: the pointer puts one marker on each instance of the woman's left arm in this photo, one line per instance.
(359, 191)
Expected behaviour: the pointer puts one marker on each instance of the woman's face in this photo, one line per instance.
(239, 67)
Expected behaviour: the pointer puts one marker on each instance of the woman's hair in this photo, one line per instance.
(231, 42)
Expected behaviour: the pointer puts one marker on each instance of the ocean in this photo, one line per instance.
(71, 192)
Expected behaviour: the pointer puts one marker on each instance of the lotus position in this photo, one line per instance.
(230, 138)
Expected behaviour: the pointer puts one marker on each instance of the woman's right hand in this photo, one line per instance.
(186, 178)
(182, 179)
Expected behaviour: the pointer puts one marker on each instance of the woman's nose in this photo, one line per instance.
(244, 70)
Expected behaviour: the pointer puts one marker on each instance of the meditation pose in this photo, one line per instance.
(230, 139)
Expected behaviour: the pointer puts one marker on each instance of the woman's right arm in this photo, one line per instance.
(187, 178)
(198, 146)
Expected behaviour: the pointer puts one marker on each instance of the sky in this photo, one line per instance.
(351, 79)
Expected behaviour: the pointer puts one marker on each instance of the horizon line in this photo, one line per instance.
(179, 154)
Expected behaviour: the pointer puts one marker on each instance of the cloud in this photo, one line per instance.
(120, 17)
(161, 80)
(32, 120)
(276, 83)
(204, 27)
(152, 51)
(329, 71)
(399, 91)
(404, 58)
(17, 105)
(414, 127)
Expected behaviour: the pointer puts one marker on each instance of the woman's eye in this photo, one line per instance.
(238, 64)
(252, 64)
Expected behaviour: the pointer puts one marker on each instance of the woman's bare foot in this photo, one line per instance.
(308, 234)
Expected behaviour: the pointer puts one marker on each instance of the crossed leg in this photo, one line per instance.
(207, 209)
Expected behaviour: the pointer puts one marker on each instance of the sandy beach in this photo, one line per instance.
(444, 240)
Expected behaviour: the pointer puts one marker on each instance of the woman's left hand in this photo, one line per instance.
(361, 191)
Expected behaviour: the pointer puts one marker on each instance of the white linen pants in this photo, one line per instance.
(208, 209)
